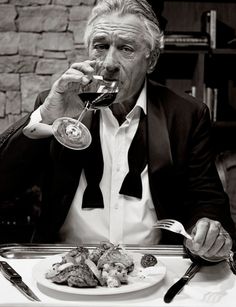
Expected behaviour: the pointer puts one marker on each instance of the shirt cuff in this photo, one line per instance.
(35, 129)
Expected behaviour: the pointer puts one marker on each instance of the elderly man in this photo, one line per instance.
(150, 156)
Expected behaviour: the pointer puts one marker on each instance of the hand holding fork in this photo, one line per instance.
(177, 227)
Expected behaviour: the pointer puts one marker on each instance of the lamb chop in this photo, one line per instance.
(99, 251)
(76, 255)
(76, 276)
(116, 256)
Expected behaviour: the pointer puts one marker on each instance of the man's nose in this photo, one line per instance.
(110, 62)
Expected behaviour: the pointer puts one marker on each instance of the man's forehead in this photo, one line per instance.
(121, 25)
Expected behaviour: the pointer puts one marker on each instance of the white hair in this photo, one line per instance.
(140, 8)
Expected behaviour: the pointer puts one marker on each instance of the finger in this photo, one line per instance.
(221, 248)
(211, 236)
(226, 248)
(77, 73)
(79, 77)
(69, 82)
(227, 243)
(199, 234)
(192, 245)
(73, 71)
(216, 248)
(86, 67)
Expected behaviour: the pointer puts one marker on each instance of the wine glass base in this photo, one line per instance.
(71, 134)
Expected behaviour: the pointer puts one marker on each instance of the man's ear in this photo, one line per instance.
(152, 61)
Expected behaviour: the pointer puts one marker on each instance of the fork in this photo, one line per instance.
(172, 225)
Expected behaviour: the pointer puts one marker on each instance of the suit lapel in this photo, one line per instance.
(159, 149)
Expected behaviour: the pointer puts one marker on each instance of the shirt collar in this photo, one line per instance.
(140, 104)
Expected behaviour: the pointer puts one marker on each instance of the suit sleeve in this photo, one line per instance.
(21, 159)
(205, 196)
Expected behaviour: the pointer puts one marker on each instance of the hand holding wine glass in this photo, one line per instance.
(63, 96)
(81, 86)
(97, 94)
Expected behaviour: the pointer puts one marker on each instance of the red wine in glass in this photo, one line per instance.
(97, 100)
(71, 132)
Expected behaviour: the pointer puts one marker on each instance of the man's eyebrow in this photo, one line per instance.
(127, 40)
(120, 40)
(98, 37)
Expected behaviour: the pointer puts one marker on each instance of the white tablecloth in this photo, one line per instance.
(211, 286)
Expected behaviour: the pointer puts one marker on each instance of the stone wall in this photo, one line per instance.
(39, 39)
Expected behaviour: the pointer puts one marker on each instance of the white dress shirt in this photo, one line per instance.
(124, 219)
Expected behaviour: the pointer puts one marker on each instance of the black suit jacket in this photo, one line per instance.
(183, 179)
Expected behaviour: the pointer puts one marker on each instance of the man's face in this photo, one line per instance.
(119, 42)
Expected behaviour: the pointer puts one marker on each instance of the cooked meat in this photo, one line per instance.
(99, 251)
(53, 270)
(76, 276)
(106, 245)
(97, 273)
(76, 255)
(115, 255)
(96, 254)
(107, 265)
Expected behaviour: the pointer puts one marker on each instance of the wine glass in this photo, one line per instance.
(98, 94)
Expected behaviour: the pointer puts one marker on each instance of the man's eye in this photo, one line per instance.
(100, 47)
(127, 49)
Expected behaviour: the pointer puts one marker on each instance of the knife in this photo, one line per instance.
(178, 286)
(16, 280)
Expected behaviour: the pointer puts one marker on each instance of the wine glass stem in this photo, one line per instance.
(81, 116)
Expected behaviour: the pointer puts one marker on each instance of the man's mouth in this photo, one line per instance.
(110, 79)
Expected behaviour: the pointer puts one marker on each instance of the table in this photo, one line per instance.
(212, 286)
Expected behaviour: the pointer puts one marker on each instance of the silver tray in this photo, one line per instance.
(21, 251)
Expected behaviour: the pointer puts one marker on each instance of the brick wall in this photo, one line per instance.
(39, 39)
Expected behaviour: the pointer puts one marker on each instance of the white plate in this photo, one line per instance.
(135, 283)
